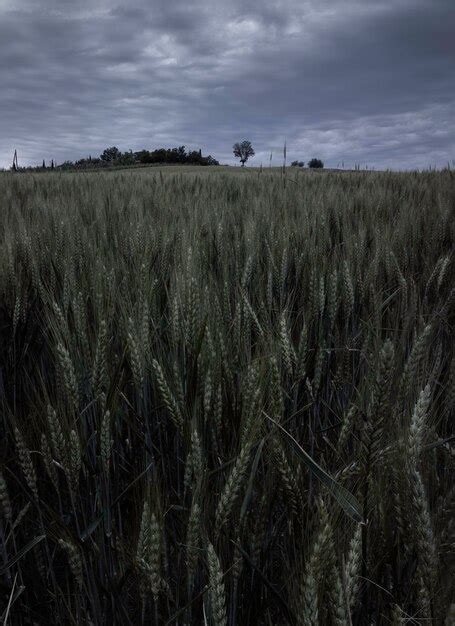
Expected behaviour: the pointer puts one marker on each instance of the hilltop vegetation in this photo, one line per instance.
(171, 346)
(114, 158)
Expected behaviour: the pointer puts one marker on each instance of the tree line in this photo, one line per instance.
(113, 157)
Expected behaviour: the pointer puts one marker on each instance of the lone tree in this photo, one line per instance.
(110, 155)
(243, 151)
(316, 164)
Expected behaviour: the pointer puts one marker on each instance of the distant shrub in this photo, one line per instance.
(297, 164)
(316, 164)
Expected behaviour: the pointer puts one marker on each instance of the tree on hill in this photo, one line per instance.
(243, 151)
(110, 155)
(316, 164)
(126, 158)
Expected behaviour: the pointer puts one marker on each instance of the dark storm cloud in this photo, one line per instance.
(351, 81)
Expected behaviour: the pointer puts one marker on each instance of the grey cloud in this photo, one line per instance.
(353, 81)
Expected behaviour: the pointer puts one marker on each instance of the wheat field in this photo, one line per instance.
(227, 399)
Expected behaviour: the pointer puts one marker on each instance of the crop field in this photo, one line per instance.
(227, 398)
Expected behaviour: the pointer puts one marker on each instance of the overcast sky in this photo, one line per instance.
(367, 81)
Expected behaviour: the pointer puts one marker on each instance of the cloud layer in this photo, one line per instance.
(348, 81)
